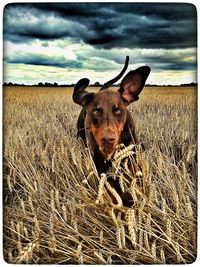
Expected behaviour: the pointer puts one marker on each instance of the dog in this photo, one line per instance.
(104, 121)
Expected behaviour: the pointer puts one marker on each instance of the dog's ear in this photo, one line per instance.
(80, 95)
(133, 83)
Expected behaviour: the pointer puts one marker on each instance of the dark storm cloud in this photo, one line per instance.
(43, 60)
(105, 25)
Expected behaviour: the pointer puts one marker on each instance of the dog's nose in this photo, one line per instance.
(108, 140)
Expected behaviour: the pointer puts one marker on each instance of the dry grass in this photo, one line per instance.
(56, 208)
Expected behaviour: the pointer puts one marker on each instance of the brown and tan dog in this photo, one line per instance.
(104, 119)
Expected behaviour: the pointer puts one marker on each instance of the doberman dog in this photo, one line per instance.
(104, 121)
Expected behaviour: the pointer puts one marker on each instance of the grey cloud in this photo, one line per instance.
(43, 60)
(100, 61)
(108, 25)
(114, 30)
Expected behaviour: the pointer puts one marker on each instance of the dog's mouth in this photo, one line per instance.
(107, 151)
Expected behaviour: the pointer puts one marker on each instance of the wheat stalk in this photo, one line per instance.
(123, 236)
(50, 216)
(140, 239)
(153, 250)
(18, 229)
(9, 183)
(23, 206)
(179, 258)
(177, 201)
(37, 231)
(52, 241)
(31, 204)
(62, 147)
(117, 161)
(100, 256)
(64, 212)
(25, 253)
(101, 187)
(188, 207)
(53, 207)
(45, 158)
(79, 253)
(191, 153)
(131, 222)
(109, 260)
(133, 190)
(26, 233)
(146, 240)
(75, 226)
(163, 207)
(53, 162)
(148, 224)
(140, 217)
(101, 237)
(74, 157)
(123, 151)
(162, 256)
(89, 176)
(121, 154)
(121, 183)
(115, 194)
(57, 199)
(145, 167)
(169, 228)
(118, 236)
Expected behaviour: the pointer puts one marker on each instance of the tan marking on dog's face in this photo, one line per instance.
(107, 116)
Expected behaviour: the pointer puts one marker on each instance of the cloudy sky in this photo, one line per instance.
(63, 42)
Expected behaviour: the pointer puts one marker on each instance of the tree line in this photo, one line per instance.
(96, 84)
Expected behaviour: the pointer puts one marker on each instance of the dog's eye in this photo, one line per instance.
(97, 111)
(117, 111)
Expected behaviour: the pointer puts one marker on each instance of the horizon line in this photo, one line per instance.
(97, 84)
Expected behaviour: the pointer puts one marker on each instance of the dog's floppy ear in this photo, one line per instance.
(133, 83)
(80, 95)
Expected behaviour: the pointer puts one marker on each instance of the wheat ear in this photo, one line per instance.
(153, 250)
(85, 181)
(101, 187)
(109, 260)
(121, 183)
(101, 237)
(119, 153)
(26, 253)
(169, 228)
(100, 256)
(191, 153)
(115, 194)
(162, 256)
(118, 236)
(131, 221)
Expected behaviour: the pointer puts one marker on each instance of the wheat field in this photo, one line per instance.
(56, 207)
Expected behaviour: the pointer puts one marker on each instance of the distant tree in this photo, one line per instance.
(55, 84)
(40, 84)
(97, 84)
(48, 84)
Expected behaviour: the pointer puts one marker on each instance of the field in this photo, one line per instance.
(51, 186)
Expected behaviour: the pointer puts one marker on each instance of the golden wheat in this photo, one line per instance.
(51, 183)
(101, 187)
(114, 194)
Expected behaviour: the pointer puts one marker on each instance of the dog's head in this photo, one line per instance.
(106, 110)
